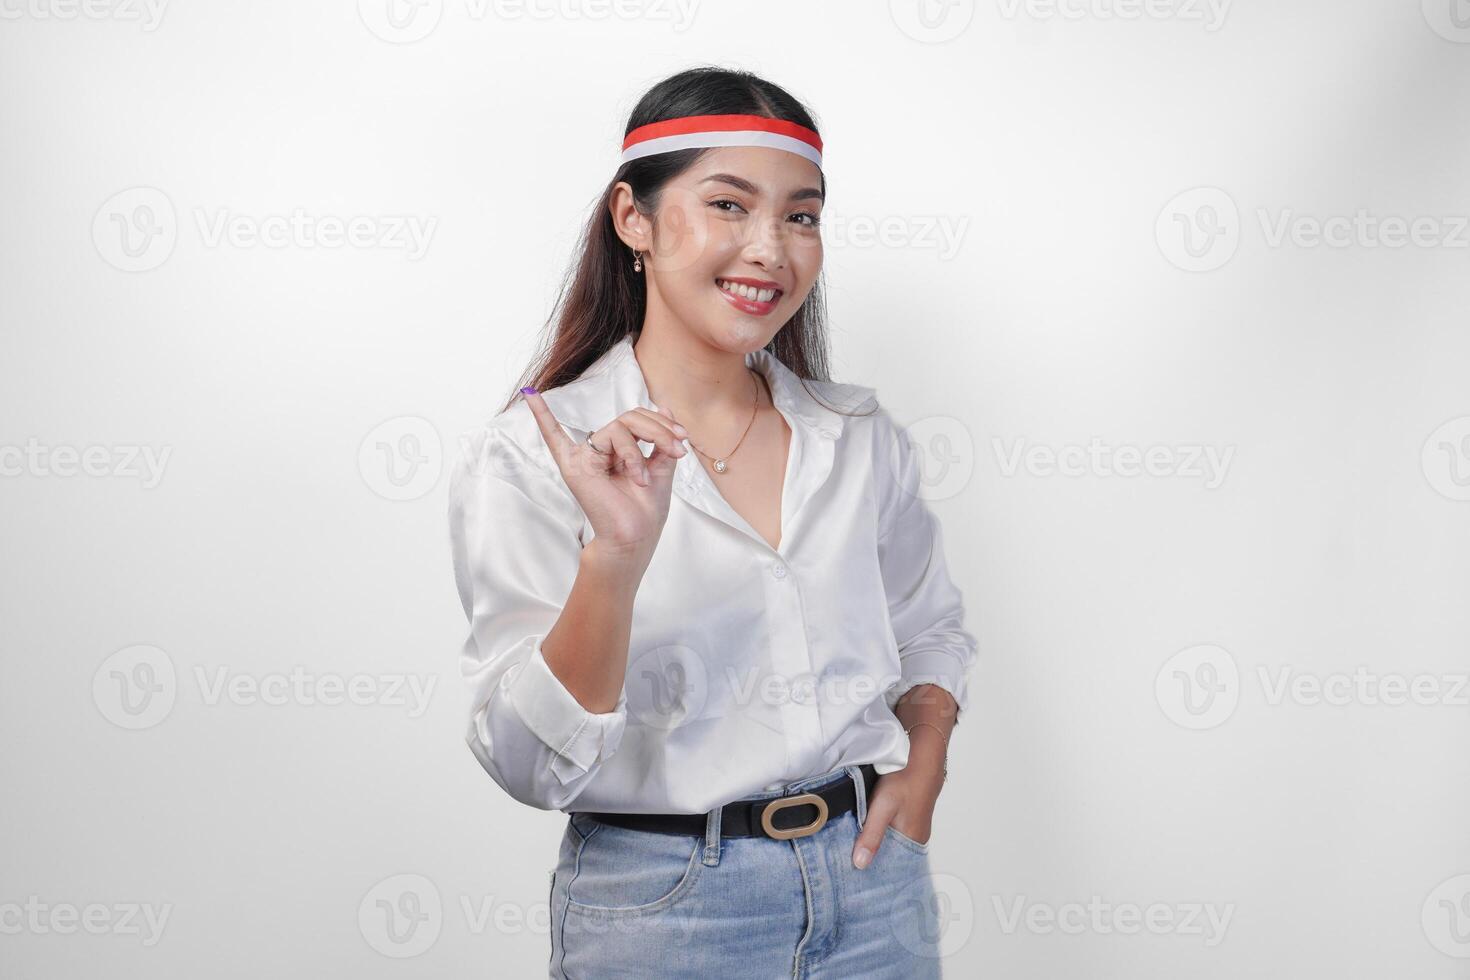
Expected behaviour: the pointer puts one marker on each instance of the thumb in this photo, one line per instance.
(881, 811)
(662, 464)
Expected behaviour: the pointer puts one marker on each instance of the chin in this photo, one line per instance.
(744, 334)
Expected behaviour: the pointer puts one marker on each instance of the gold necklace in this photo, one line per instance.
(722, 464)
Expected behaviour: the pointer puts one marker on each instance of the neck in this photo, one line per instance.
(700, 384)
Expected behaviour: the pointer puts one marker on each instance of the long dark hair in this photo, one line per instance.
(602, 299)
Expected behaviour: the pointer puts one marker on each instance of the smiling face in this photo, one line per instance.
(734, 247)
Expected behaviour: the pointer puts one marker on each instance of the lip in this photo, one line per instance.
(753, 307)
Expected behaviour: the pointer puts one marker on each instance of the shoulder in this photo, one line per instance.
(845, 396)
(854, 408)
(496, 439)
(504, 475)
(892, 457)
(866, 415)
(513, 434)
(507, 448)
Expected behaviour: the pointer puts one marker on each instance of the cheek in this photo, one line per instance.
(684, 235)
(806, 253)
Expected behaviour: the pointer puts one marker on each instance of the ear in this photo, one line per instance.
(629, 223)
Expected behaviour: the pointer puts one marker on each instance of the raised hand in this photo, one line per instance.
(624, 495)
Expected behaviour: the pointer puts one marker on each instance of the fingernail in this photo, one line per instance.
(680, 429)
(528, 390)
(862, 857)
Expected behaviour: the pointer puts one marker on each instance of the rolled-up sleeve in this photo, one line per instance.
(925, 607)
(516, 540)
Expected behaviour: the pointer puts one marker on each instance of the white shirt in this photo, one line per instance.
(748, 667)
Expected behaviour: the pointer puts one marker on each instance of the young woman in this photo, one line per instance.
(735, 663)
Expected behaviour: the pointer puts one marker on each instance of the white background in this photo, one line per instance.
(1080, 298)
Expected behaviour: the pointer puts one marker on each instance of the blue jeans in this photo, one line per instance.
(645, 905)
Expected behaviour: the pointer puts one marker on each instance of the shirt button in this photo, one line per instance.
(778, 570)
(829, 434)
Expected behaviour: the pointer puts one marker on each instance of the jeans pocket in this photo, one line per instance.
(618, 872)
(905, 841)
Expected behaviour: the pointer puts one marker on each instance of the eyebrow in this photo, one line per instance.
(803, 194)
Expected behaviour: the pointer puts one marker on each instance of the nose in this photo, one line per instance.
(766, 244)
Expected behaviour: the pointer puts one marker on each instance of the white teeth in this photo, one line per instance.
(748, 292)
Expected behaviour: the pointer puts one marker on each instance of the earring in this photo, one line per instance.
(637, 261)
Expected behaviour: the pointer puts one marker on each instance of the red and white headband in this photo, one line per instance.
(728, 129)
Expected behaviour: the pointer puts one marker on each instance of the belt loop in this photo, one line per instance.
(861, 791)
(712, 837)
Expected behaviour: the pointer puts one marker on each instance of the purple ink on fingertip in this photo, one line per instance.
(528, 390)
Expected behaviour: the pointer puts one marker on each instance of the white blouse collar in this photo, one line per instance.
(614, 384)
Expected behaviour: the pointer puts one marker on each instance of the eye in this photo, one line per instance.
(806, 219)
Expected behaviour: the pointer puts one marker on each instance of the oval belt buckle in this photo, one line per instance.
(801, 800)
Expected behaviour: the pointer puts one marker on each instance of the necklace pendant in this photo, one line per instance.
(719, 466)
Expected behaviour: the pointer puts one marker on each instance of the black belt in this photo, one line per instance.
(781, 817)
